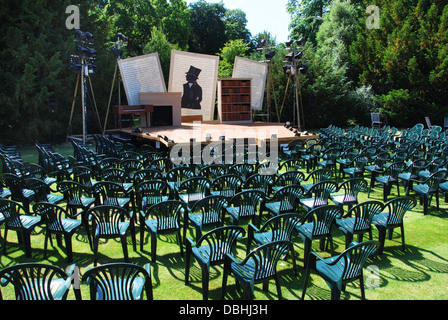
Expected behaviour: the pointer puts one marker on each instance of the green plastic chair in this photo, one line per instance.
(430, 187)
(119, 281)
(17, 219)
(393, 218)
(109, 222)
(208, 212)
(318, 195)
(59, 222)
(358, 220)
(246, 205)
(164, 218)
(339, 270)
(39, 281)
(150, 192)
(211, 249)
(318, 224)
(284, 200)
(260, 265)
(351, 188)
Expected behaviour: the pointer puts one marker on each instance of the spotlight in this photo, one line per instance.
(288, 43)
(75, 65)
(301, 41)
(298, 56)
(270, 55)
(303, 69)
(87, 52)
(262, 43)
(122, 37)
(80, 34)
(89, 36)
(116, 51)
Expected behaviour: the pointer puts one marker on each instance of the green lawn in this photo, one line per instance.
(420, 273)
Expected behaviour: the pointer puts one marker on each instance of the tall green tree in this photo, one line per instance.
(208, 33)
(405, 60)
(235, 25)
(34, 63)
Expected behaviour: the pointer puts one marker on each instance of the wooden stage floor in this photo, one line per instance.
(262, 132)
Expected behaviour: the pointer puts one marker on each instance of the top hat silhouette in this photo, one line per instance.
(194, 72)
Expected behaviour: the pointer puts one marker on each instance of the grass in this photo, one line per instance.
(419, 273)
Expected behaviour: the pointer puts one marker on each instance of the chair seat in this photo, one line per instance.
(344, 199)
(421, 189)
(152, 225)
(121, 202)
(278, 206)
(237, 212)
(380, 219)
(187, 198)
(306, 230)
(28, 222)
(331, 273)
(309, 202)
(5, 193)
(69, 225)
(50, 180)
(197, 219)
(226, 193)
(82, 202)
(373, 168)
(385, 180)
(444, 186)
(405, 176)
(348, 225)
(28, 194)
(55, 198)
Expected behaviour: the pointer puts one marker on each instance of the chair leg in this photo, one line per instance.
(187, 263)
(224, 281)
(307, 276)
(154, 247)
(205, 282)
(68, 246)
(95, 250)
(381, 239)
(4, 240)
(27, 241)
(335, 292)
(402, 238)
(142, 234)
(277, 284)
(47, 236)
(125, 248)
(361, 284)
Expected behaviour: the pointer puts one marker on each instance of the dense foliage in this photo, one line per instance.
(399, 69)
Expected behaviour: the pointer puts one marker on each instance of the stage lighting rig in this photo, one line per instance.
(82, 63)
(292, 67)
(121, 42)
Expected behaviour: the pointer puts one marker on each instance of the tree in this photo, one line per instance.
(232, 49)
(235, 25)
(163, 47)
(208, 30)
(409, 76)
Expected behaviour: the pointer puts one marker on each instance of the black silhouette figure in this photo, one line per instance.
(192, 95)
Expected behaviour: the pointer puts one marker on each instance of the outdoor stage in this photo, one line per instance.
(187, 133)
